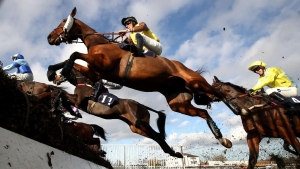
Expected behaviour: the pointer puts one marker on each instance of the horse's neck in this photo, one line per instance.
(90, 36)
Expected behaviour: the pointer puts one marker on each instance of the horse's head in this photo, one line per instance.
(228, 89)
(67, 31)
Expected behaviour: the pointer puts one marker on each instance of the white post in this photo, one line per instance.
(183, 160)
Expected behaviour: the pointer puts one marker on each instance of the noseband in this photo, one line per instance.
(61, 36)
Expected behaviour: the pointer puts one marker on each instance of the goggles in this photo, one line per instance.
(256, 68)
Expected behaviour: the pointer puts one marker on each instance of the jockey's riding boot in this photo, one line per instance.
(277, 96)
(214, 128)
(139, 45)
(97, 88)
(291, 107)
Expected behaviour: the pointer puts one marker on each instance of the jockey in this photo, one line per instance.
(281, 85)
(102, 86)
(141, 36)
(273, 77)
(24, 72)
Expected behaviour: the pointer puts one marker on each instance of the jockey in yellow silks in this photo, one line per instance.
(275, 78)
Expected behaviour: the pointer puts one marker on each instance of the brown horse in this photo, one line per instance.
(131, 112)
(263, 120)
(108, 61)
(86, 132)
(51, 94)
(45, 91)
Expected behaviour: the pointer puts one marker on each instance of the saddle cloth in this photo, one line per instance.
(108, 99)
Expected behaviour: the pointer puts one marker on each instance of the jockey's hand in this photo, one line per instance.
(123, 32)
(248, 92)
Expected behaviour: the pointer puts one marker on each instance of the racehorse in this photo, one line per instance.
(263, 120)
(108, 61)
(82, 130)
(86, 132)
(45, 91)
(131, 112)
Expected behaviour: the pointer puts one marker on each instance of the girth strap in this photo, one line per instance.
(128, 67)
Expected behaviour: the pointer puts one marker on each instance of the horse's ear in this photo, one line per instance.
(73, 13)
(216, 79)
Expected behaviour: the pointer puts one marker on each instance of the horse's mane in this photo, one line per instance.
(91, 29)
(201, 70)
(240, 88)
(62, 89)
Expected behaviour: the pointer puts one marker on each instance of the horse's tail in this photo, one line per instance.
(161, 121)
(99, 131)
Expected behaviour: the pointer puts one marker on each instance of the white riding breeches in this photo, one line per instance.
(23, 77)
(152, 45)
(285, 91)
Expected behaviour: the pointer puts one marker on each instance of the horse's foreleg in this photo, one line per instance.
(87, 72)
(253, 144)
(181, 102)
(69, 64)
(201, 85)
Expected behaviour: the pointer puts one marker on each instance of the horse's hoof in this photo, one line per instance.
(225, 142)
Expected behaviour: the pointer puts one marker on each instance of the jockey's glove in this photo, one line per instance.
(248, 92)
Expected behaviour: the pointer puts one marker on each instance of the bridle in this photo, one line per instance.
(61, 36)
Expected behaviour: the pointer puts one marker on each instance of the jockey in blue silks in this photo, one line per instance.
(24, 72)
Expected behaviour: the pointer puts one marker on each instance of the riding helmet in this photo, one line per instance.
(19, 56)
(130, 18)
(256, 64)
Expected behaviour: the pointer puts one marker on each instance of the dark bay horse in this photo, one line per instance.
(45, 91)
(108, 61)
(264, 120)
(86, 132)
(49, 93)
(131, 112)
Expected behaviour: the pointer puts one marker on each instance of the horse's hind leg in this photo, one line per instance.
(144, 129)
(138, 119)
(181, 102)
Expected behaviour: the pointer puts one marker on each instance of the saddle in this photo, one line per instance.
(291, 104)
(133, 49)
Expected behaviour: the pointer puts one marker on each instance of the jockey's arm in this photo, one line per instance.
(9, 67)
(269, 78)
(141, 27)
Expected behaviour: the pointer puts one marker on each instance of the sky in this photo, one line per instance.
(223, 37)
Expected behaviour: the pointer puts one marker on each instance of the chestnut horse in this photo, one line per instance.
(108, 61)
(131, 112)
(265, 120)
(52, 94)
